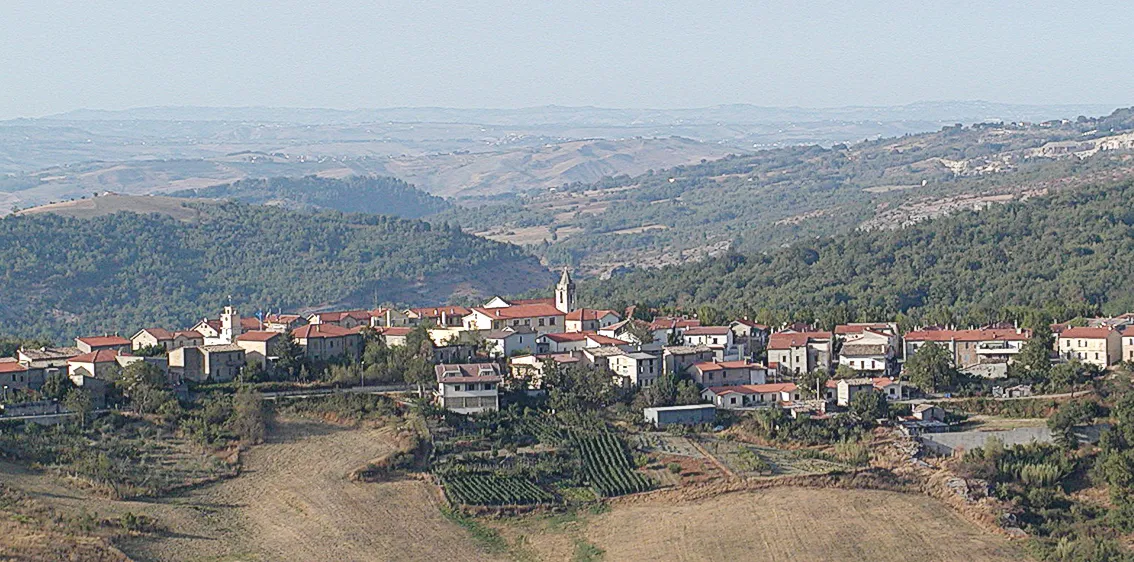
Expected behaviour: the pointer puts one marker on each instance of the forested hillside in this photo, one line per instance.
(378, 195)
(763, 200)
(116, 273)
(1072, 249)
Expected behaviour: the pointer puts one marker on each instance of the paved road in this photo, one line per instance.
(378, 389)
(1033, 397)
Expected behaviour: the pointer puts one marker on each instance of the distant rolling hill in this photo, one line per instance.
(757, 202)
(488, 171)
(356, 194)
(63, 275)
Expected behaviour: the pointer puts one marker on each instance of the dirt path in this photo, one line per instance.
(293, 502)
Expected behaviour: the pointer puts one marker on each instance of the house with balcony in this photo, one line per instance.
(468, 388)
(970, 347)
(635, 368)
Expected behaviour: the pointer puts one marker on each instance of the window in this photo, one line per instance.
(551, 321)
(527, 321)
(541, 320)
(457, 387)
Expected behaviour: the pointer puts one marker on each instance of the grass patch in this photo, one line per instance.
(487, 537)
(587, 552)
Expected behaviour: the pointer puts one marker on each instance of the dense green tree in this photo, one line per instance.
(931, 368)
(1033, 363)
(356, 194)
(575, 388)
(869, 405)
(809, 381)
(79, 402)
(249, 418)
(56, 386)
(116, 273)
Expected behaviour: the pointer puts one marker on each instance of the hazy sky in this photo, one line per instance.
(59, 55)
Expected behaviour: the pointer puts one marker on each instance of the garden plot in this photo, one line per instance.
(754, 460)
(666, 444)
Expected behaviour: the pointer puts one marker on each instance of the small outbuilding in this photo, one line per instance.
(692, 414)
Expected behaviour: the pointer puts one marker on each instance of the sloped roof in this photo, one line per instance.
(45, 353)
(467, 372)
(12, 367)
(221, 348)
(753, 388)
(320, 331)
(1086, 333)
(520, 311)
(103, 341)
(99, 356)
(395, 331)
(860, 327)
(161, 334)
(437, 311)
(991, 334)
(668, 323)
(722, 365)
(258, 335)
(787, 340)
(708, 331)
(863, 349)
(580, 314)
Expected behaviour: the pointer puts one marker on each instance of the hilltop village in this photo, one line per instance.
(541, 405)
(477, 354)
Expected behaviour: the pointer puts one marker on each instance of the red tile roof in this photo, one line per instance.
(320, 331)
(100, 356)
(547, 300)
(565, 337)
(339, 315)
(12, 367)
(395, 331)
(104, 341)
(788, 340)
(992, 334)
(258, 335)
(520, 311)
(722, 365)
(161, 334)
(845, 329)
(740, 365)
(249, 324)
(606, 340)
(668, 323)
(191, 334)
(1086, 333)
(754, 388)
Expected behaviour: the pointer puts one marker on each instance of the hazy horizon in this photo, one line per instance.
(350, 54)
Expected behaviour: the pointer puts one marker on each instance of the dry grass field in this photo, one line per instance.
(294, 501)
(796, 525)
(110, 204)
